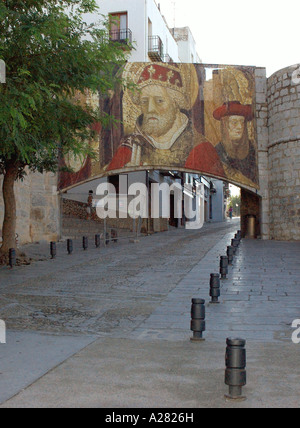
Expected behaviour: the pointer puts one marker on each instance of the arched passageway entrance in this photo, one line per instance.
(169, 198)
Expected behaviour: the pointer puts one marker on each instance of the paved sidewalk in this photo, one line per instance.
(121, 339)
(259, 300)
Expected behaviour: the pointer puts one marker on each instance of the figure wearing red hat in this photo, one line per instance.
(164, 135)
(236, 151)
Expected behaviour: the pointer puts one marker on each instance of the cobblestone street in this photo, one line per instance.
(110, 327)
(101, 290)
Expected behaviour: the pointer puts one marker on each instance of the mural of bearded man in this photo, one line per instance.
(164, 134)
(236, 151)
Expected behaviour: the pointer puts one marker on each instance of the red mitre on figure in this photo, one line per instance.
(162, 74)
(234, 108)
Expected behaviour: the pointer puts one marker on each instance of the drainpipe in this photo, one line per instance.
(149, 208)
(146, 31)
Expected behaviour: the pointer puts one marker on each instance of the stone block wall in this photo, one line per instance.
(78, 210)
(278, 137)
(262, 210)
(284, 153)
(38, 208)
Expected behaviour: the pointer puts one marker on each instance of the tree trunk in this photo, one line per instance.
(9, 223)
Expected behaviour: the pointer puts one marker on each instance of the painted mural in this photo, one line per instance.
(184, 117)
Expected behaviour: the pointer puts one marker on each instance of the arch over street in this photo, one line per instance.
(193, 118)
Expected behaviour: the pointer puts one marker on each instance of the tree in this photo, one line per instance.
(51, 54)
(235, 203)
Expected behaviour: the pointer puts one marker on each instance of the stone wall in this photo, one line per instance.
(278, 137)
(262, 140)
(78, 210)
(38, 208)
(284, 154)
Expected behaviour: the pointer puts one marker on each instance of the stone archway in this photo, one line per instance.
(250, 212)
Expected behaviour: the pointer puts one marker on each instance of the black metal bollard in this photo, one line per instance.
(235, 373)
(107, 238)
(238, 241)
(12, 257)
(85, 243)
(70, 246)
(214, 287)
(97, 241)
(198, 324)
(237, 236)
(53, 249)
(235, 244)
(230, 255)
(224, 267)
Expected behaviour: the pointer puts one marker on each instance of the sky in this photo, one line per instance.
(261, 33)
(235, 191)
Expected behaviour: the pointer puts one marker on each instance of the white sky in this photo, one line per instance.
(235, 191)
(262, 33)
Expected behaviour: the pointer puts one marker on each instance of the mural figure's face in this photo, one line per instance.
(235, 126)
(235, 136)
(159, 110)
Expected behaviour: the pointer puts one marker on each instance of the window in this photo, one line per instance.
(120, 183)
(118, 26)
(114, 180)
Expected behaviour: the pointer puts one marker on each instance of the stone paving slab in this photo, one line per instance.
(249, 291)
(19, 366)
(123, 373)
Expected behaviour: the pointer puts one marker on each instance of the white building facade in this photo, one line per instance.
(142, 23)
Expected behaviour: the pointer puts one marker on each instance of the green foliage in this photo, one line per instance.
(51, 56)
(235, 203)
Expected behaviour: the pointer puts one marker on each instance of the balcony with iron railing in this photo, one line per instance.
(121, 36)
(155, 49)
